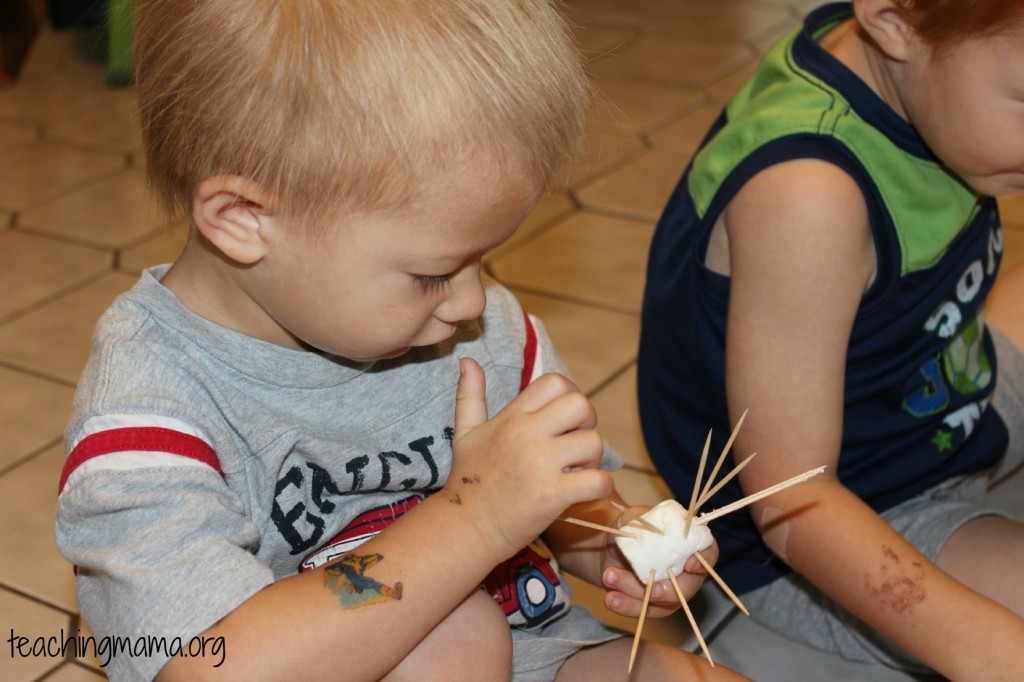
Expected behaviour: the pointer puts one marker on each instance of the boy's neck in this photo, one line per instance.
(852, 46)
(209, 287)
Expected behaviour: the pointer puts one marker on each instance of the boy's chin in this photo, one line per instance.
(397, 353)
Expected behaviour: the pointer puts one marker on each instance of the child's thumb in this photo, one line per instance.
(470, 398)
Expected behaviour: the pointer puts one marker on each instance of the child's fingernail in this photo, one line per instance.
(609, 578)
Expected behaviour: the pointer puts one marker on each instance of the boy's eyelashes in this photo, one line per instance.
(433, 283)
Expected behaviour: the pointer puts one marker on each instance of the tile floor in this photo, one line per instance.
(76, 228)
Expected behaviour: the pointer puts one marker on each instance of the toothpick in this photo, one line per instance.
(739, 504)
(643, 615)
(640, 521)
(597, 526)
(721, 583)
(725, 479)
(691, 511)
(721, 458)
(644, 523)
(689, 616)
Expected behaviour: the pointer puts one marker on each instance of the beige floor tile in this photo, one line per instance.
(802, 7)
(687, 64)
(593, 343)
(618, 419)
(54, 340)
(1013, 250)
(552, 207)
(639, 189)
(110, 213)
(35, 268)
(72, 672)
(594, 41)
(33, 414)
(684, 135)
(32, 620)
(631, 14)
(29, 560)
(588, 257)
(42, 171)
(1011, 209)
(727, 22)
(163, 247)
(49, 102)
(604, 151)
(640, 487)
(633, 106)
(58, 55)
(112, 125)
(767, 40)
(12, 136)
(723, 89)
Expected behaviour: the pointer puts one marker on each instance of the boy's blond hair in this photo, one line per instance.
(348, 105)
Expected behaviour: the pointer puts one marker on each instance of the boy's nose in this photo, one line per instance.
(466, 300)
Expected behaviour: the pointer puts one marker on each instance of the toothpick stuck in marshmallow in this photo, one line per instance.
(663, 554)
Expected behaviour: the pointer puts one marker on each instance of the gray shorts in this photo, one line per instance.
(797, 610)
(537, 656)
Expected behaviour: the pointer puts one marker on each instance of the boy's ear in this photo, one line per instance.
(885, 22)
(229, 211)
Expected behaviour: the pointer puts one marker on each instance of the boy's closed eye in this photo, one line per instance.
(433, 283)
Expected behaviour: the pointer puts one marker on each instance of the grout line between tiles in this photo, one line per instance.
(57, 295)
(36, 600)
(569, 298)
(4, 470)
(7, 364)
(611, 378)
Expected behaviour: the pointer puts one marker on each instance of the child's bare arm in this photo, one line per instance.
(512, 476)
(801, 258)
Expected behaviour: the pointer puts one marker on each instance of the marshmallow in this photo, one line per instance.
(663, 553)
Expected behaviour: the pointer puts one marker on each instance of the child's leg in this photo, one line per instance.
(472, 643)
(986, 554)
(609, 661)
(1008, 399)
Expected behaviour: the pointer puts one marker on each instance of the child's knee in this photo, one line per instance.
(473, 643)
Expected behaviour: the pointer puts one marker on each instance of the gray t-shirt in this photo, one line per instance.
(204, 464)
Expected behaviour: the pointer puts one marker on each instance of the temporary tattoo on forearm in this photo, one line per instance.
(898, 587)
(347, 580)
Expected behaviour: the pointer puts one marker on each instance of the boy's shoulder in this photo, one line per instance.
(140, 360)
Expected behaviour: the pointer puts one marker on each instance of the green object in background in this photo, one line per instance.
(120, 23)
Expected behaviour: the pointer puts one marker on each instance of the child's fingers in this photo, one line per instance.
(470, 398)
(625, 593)
(709, 554)
(543, 390)
(580, 449)
(567, 412)
(586, 485)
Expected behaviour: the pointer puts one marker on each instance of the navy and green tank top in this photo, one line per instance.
(920, 366)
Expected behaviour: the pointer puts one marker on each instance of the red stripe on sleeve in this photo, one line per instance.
(529, 352)
(141, 438)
